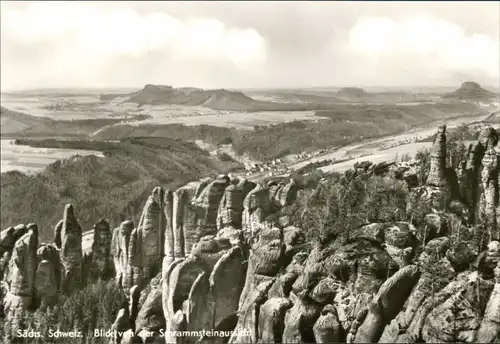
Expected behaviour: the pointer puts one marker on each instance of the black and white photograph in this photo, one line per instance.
(249, 172)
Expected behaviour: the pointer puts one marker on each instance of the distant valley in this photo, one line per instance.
(260, 124)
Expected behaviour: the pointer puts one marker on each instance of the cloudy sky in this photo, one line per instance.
(248, 44)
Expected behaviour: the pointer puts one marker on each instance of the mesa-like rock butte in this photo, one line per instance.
(213, 255)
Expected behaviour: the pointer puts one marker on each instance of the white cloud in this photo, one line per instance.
(248, 44)
(373, 35)
(437, 44)
(84, 36)
(210, 38)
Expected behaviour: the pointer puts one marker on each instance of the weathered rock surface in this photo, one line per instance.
(257, 206)
(205, 210)
(168, 209)
(21, 277)
(231, 204)
(226, 282)
(120, 249)
(201, 307)
(9, 236)
(489, 330)
(327, 328)
(470, 178)
(101, 251)
(149, 248)
(180, 278)
(299, 321)
(48, 275)
(7, 242)
(248, 310)
(210, 249)
(283, 194)
(228, 263)
(488, 137)
(438, 159)
(456, 317)
(387, 304)
(489, 199)
(271, 323)
(150, 318)
(71, 250)
(184, 219)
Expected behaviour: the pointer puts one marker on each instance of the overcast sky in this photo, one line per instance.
(248, 44)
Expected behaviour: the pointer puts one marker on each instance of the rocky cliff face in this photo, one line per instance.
(48, 275)
(21, 276)
(69, 235)
(490, 195)
(145, 251)
(101, 266)
(437, 176)
(211, 256)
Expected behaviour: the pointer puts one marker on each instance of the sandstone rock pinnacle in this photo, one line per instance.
(101, 250)
(438, 159)
(71, 249)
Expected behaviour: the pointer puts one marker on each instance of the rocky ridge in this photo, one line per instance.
(220, 99)
(219, 255)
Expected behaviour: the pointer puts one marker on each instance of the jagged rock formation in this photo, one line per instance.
(101, 250)
(386, 304)
(145, 247)
(283, 194)
(70, 237)
(231, 205)
(256, 207)
(228, 264)
(169, 241)
(472, 190)
(150, 231)
(48, 275)
(454, 315)
(184, 218)
(489, 330)
(490, 196)
(7, 242)
(470, 177)
(21, 276)
(437, 172)
(150, 316)
(119, 248)
(8, 238)
(207, 202)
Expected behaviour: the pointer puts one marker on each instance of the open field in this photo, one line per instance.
(363, 123)
(32, 159)
(183, 103)
(235, 119)
(59, 108)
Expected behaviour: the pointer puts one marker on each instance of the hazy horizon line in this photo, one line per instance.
(97, 88)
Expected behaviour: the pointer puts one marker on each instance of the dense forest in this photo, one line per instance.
(114, 187)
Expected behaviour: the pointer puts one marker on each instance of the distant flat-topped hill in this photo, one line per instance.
(219, 99)
(470, 90)
(350, 92)
(357, 94)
